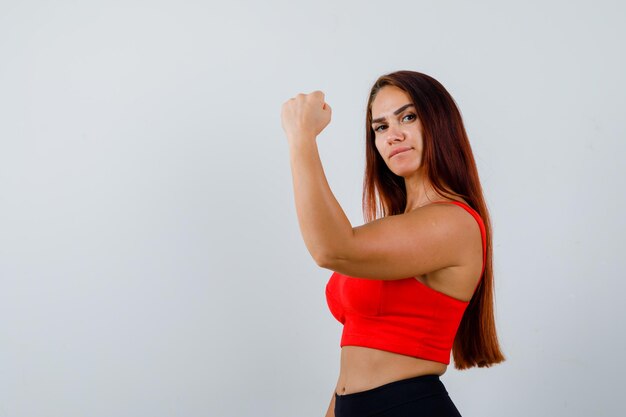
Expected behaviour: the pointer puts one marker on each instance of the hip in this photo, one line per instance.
(423, 395)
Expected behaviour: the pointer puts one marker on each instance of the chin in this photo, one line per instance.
(405, 171)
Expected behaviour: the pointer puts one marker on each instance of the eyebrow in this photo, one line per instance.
(397, 112)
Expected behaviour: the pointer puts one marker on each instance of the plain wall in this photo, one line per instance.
(151, 262)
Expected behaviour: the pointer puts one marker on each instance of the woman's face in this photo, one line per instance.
(397, 128)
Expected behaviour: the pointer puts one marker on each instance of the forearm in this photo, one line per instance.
(331, 407)
(323, 223)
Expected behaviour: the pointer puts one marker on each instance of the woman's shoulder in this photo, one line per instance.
(450, 200)
(466, 217)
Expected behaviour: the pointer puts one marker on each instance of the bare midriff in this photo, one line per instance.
(364, 368)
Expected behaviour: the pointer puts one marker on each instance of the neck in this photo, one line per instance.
(419, 192)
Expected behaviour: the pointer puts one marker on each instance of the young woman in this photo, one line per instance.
(415, 282)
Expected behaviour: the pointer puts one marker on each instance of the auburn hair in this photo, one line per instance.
(447, 159)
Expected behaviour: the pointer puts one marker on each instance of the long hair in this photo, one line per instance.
(447, 159)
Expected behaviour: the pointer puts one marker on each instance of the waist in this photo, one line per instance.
(364, 368)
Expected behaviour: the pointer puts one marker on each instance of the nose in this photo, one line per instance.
(394, 133)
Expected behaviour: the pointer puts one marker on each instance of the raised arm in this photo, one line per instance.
(322, 221)
(393, 247)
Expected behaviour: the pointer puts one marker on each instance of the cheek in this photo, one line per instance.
(378, 144)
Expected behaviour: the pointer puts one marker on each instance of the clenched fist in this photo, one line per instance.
(305, 115)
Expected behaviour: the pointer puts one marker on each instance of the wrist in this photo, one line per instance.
(301, 141)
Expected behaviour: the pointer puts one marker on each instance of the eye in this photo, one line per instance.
(376, 129)
(410, 115)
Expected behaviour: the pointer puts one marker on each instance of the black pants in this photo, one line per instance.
(413, 397)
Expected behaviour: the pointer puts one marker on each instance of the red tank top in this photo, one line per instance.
(402, 316)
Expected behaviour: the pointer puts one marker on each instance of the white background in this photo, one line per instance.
(151, 262)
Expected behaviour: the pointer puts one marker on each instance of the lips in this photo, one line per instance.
(398, 150)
